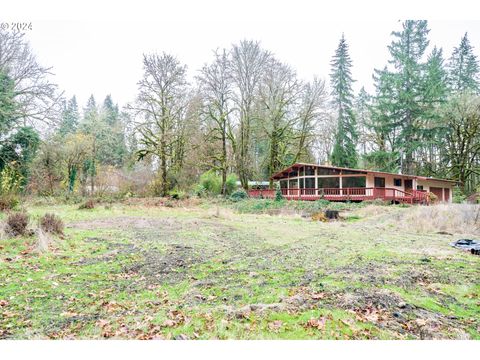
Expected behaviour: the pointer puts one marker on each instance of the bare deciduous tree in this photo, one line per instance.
(35, 96)
(161, 105)
(216, 86)
(247, 66)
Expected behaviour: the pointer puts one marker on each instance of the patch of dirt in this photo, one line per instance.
(170, 267)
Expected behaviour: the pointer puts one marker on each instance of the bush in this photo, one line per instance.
(278, 193)
(8, 202)
(458, 196)
(211, 182)
(16, 224)
(52, 224)
(176, 194)
(231, 184)
(89, 204)
(432, 197)
(238, 195)
(322, 203)
(200, 191)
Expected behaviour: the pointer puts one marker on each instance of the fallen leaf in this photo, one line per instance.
(420, 322)
(3, 302)
(275, 325)
(317, 323)
(169, 323)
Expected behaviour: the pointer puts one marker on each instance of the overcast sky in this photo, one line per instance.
(102, 53)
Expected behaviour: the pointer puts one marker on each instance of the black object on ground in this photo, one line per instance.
(331, 214)
(468, 245)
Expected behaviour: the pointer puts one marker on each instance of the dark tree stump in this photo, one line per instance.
(331, 214)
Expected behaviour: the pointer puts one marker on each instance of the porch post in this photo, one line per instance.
(341, 183)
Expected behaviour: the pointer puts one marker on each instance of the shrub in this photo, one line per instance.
(231, 184)
(8, 201)
(322, 203)
(176, 194)
(89, 204)
(16, 224)
(458, 195)
(211, 182)
(200, 191)
(432, 197)
(278, 193)
(52, 224)
(10, 182)
(238, 195)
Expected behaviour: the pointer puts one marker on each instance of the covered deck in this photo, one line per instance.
(345, 194)
(314, 182)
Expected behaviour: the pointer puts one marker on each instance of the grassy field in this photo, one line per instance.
(206, 271)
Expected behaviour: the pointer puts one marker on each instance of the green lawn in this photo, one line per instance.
(202, 272)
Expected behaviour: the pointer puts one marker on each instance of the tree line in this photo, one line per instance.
(244, 112)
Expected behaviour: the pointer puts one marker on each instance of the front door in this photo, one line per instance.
(379, 191)
(408, 186)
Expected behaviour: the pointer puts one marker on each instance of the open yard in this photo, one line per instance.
(202, 271)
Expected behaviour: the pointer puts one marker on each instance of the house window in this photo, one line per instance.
(283, 184)
(293, 184)
(419, 187)
(309, 183)
(333, 182)
(397, 182)
(326, 171)
(309, 170)
(301, 183)
(354, 182)
(351, 172)
(379, 182)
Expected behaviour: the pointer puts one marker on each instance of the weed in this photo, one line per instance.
(17, 224)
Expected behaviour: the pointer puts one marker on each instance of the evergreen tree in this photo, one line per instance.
(362, 115)
(432, 131)
(401, 94)
(463, 68)
(7, 104)
(344, 153)
(70, 117)
(112, 148)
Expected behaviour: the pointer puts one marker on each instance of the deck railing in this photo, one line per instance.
(357, 193)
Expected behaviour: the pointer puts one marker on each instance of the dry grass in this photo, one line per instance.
(43, 240)
(52, 224)
(89, 204)
(452, 218)
(16, 224)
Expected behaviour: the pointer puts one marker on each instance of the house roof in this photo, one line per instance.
(281, 173)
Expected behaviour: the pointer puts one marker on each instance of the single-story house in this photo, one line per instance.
(312, 182)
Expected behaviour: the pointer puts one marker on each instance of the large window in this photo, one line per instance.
(293, 184)
(326, 171)
(351, 172)
(352, 182)
(301, 183)
(379, 182)
(283, 184)
(309, 170)
(310, 183)
(397, 182)
(331, 182)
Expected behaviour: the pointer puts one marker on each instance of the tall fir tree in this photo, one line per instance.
(400, 95)
(112, 146)
(344, 150)
(70, 117)
(463, 68)
(432, 131)
(362, 115)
